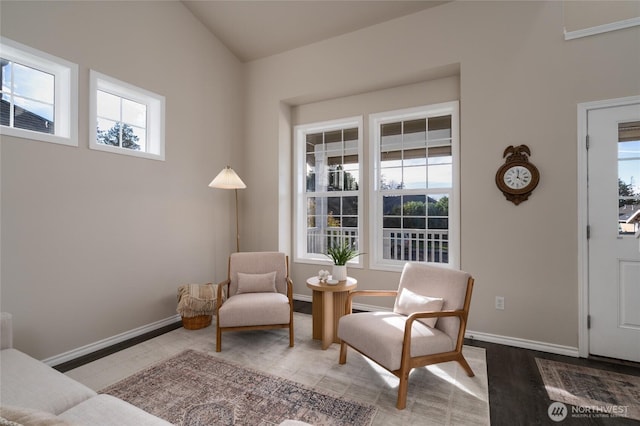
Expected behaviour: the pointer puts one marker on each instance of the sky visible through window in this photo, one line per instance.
(629, 164)
(33, 90)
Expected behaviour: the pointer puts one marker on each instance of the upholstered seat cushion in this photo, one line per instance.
(380, 336)
(26, 382)
(16, 416)
(248, 309)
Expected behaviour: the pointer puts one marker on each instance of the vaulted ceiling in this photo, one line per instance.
(257, 29)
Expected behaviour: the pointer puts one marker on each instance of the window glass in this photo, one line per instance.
(27, 97)
(628, 178)
(415, 174)
(331, 168)
(121, 122)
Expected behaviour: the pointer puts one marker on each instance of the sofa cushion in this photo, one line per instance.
(6, 330)
(249, 309)
(380, 335)
(27, 382)
(10, 415)
(106, 410)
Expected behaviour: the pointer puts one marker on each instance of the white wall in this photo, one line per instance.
(95, 244)
(520, 83)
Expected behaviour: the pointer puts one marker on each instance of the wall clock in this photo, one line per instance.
(517, 177)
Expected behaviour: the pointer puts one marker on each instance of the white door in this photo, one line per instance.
(614, 250)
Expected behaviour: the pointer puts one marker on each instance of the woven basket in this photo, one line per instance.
(197, 322)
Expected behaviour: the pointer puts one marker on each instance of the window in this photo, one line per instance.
(628, 173)
(39, 95)
(126, 119)
(328, 195)
(414, 199)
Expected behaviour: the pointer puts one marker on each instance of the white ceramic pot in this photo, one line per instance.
(339, 272)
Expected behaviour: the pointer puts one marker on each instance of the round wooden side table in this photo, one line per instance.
(328, 305)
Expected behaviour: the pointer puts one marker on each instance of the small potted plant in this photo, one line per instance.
(340, 254)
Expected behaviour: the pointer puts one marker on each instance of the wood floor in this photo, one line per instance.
(516, 392)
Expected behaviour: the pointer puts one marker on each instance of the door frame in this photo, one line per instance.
(583, 219)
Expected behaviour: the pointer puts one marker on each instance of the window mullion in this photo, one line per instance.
(12, 111)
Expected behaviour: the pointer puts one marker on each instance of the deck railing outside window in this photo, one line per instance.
(415, 245)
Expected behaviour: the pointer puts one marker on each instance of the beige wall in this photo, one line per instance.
(74, 271)
(520, 82)
(95, 244)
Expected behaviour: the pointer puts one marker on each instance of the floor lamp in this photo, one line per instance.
(228, 179)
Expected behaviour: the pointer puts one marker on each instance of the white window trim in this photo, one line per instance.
(375, 207)
(155, 115)
(300, 207)
(601, 29)
(65, 92)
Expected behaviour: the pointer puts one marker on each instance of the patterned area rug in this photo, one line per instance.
(193, 388)
(594, 390)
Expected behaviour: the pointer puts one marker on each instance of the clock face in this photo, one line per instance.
(517, 177)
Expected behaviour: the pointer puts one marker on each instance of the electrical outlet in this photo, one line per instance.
(500, 303)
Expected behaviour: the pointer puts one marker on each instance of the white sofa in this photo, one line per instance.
(34, 394)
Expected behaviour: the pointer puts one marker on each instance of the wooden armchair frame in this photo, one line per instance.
(223, 289)
(408, 362)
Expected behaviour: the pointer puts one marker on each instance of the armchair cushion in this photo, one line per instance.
(257, 283)
(258, 263)
(432, 281)
(249, 309)
(409, 302)
(380, 336)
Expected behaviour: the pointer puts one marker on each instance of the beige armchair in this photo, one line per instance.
(259, 295)
(427, 324)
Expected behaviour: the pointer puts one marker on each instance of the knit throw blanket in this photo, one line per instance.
(196, 299)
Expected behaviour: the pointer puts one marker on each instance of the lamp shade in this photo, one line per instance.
(227, 179)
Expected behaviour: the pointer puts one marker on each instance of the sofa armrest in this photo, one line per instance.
(6, 330)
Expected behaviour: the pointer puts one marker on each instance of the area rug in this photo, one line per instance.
(194, 388)
(594, 390)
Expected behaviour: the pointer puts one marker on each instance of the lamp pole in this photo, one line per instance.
(237, 224)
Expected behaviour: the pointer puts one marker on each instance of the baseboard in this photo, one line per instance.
(110, 341)
(484, 337)
(302, 297)
(359, 306)
(523, 343)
